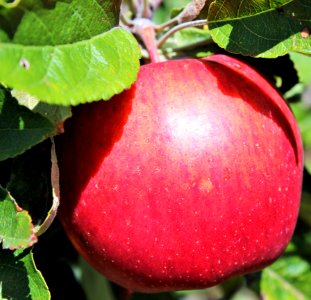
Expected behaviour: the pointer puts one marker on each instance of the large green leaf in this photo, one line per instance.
(19, 277)
(16, 229)
(72, 74)
(66, 52)
(223, 10)
(20, 128)
(287, 279)
(261, 28)
(58, 22)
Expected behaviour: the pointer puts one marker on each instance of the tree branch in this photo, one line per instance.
(189, 13)
(173, 30)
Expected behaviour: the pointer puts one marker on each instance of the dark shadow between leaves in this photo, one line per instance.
(56, 259)
(30, 182)
(13, 276)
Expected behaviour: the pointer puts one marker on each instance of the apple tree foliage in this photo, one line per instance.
(55, 54)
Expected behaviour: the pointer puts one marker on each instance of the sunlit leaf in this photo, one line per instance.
(16, 229)
(72, 74)
(287, 279)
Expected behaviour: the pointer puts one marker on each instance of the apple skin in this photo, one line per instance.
(190, 177)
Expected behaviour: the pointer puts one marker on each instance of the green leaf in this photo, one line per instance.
(20, 128)
(302, 113)
(188, 38)
(94, 284)
(56, 114)
(303, 65)
(82, 72)
(16, 229)
(302, 109)
(59, 22)
(19, 277)
(287, 279)
(261, 28)
(9, 4)
(222, 10)
(61, 52)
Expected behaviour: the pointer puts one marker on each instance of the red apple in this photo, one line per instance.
(190, 177)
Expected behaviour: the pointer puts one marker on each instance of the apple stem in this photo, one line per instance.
(144, 29)
(164, 37)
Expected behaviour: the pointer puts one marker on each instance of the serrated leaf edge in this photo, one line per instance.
(32, 236)
(246, 16)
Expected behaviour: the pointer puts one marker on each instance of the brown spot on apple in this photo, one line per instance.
(206, 185)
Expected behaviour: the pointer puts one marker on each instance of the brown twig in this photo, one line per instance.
(189, 13)
(179, 27)
(144, 29)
